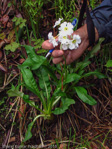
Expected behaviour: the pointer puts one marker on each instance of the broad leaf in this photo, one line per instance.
(72, 77)
(82, 93)
(33, 61)
(29, 80)
(44, 81)
(51, 72)
(65, 105)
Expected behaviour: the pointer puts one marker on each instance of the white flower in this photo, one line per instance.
(74, 43)
(57, 22)
(52, 39)
(64, 46)
(64, 42)
(66, 29)
(63, 39)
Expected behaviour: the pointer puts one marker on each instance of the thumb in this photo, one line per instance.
(47, 45)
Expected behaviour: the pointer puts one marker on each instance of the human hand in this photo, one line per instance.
(70, 55)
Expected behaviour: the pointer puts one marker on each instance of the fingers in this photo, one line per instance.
(47, 45)
(57, 53)
(68, 55)
(59, 56)
(57, 60)
(68, 58)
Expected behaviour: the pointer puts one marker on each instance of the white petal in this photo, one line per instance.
(64, 46)
(50, 35)
(71, 46)
(57, 22)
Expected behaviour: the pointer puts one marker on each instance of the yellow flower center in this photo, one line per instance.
(74, 41)
(64, 37)
(66, 28)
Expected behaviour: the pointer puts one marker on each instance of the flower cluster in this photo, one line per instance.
(65, 38)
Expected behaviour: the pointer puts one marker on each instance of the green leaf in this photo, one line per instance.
(44, 81)
(50, 71)
(14, 19)
(82, 93)
(33, 61)
(109, 63)
(29, 80)
(38, 43)
(31, 103)
(14, 92)
(72, 77)
(19, 21)
(95, 49)
(9, 4)
(2, 101)
(66, 102)
(81, 65)
(57, 91)
(12, 46)
(40, 51)
(27, 100)
(96, 73)
(31, 84)
(28, 134)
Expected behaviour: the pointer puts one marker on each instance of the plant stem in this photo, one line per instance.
(55, 102)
